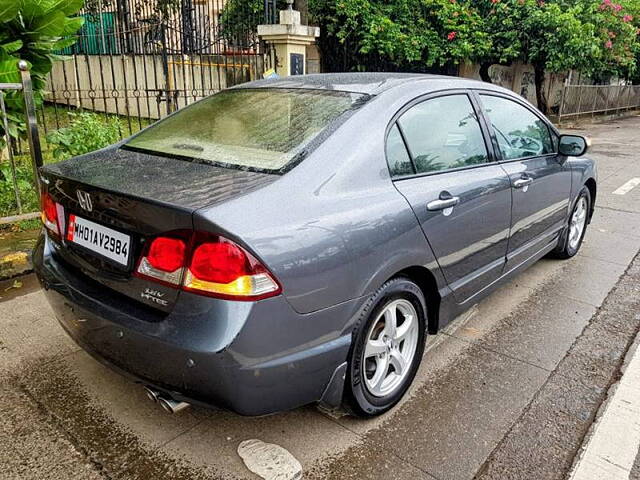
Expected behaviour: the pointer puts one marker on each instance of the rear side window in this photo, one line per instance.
(519, 132)
(259, 129)
(443, 133)
(397, 155)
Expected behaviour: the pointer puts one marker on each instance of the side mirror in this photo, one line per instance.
(573, 145)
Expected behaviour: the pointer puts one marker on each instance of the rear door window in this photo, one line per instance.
(256, 129)
(397, 155)
(443, 133)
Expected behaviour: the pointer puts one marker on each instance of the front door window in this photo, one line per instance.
(519, 132)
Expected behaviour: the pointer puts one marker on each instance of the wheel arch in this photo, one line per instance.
(425, 279)
(593, 190)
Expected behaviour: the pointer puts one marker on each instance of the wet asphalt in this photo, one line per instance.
(509, 390)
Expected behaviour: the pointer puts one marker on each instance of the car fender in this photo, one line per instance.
(582, 169)
(410, 249)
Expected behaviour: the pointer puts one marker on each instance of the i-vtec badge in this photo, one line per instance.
(155, 296)
(84, 199)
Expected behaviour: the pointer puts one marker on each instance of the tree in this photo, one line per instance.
(33, 30)
(596, 37)
(502, 23)
(556, 40)
(413, 35)
(633, 17)
(240, 17)
(616, 37)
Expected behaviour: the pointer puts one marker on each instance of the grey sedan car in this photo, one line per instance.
(291, 241)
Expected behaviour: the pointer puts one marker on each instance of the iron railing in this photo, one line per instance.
(142, 59)
(598, 99)
(11, 147)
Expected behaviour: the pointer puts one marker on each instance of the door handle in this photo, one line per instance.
(522, 182)
(442, 203)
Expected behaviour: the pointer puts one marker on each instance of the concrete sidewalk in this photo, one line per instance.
(612, 446)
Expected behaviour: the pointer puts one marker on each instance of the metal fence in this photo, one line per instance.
(143, 59)
(137, 61)
(598, 99)
(10, 147)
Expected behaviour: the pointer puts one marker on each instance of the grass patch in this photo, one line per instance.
(62, 135)
(53, 117)
(21, 226)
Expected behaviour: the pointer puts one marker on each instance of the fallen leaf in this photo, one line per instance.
(471, 331)
(16, 284)
(17, 258)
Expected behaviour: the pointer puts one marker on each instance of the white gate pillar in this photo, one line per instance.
(289, 39)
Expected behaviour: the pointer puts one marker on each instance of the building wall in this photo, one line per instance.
(136, 85)
(519, 77)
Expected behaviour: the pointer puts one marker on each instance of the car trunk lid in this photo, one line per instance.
(134, 196)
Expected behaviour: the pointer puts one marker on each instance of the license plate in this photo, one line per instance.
(102, 240)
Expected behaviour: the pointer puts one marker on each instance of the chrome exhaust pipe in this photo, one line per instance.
(172, 406)
(152, 394)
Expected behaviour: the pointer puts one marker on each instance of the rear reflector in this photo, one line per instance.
(217, 267)
(49, 213)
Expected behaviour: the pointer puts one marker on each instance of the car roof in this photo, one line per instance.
(373, 83)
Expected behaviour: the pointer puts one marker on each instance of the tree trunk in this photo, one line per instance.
(538, 71)
(484, 72)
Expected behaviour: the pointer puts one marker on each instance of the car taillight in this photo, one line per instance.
(221, 268)
(49, 214)
(164, 260)
(215, 267)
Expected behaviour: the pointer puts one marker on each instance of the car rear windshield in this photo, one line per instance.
(256, 129)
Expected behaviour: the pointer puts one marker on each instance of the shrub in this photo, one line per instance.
(33, 30)
(86, 133)
(26, 187)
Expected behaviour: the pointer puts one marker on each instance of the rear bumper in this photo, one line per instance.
(251, 357)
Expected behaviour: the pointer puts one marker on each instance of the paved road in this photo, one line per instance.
(509, 390)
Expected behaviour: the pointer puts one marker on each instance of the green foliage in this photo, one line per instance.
(86, 133)
(616, 30)
(597, 37)
(557, 39)
(33, 30)
(162, 9)
(241, 17)
(414, 35)
(434, 32)
(502, 22)
(26, 187)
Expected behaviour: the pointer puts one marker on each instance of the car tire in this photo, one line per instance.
(573, 233)
(390, 349)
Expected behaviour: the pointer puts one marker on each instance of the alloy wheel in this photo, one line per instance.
(578, 222)
(391, 344)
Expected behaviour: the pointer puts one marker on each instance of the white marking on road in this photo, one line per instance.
(627, 187)
(269, 461)
(612, 449)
